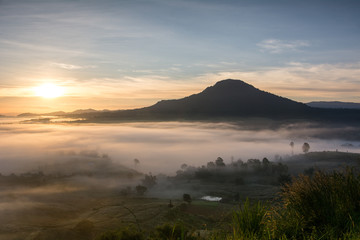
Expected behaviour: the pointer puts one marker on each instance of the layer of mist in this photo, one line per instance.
(161, 147)
(57, 177)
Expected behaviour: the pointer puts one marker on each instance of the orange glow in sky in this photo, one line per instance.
(49, 90)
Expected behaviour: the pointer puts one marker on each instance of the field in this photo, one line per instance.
(65, 211)
(40, 206)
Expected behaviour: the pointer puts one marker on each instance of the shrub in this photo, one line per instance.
(284, 179)
(327, 202)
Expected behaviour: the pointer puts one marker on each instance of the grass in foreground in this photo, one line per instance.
(325, 206)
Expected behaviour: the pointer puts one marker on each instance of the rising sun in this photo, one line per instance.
(49, 90)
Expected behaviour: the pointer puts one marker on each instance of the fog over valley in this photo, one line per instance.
(160, 147)
(182, 119)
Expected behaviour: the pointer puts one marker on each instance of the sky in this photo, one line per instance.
(121, 54)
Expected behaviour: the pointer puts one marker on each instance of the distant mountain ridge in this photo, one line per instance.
(61, 113)
(226, 100)
(334, 104)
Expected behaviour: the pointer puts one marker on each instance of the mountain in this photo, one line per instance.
(59, 113)
(334, 104)
(226, 99)
(230, 98)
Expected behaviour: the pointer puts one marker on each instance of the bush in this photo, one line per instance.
(284, 179)
(328, 203)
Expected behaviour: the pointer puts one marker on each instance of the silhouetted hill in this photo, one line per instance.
(226, 99)
(230, 98)
(60, 113)
(28, 115)
(334, 104)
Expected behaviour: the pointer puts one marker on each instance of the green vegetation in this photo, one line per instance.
(260, 200)
(249, 221)
(126, 234)
(324, 206)
(237, 172)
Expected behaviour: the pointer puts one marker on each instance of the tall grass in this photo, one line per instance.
(328, 204)
(249, 221)
(325, 206)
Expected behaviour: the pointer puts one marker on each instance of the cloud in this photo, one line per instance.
(71, 67)
(279, 46)
(42, 48)
(296, 80)
(301, 81)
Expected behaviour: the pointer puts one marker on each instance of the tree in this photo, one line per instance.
(140, 190)
(210, 165)
(149, 180)
(184, 166)
(187, 198)
(136, 162)
(254, 164)
(265, 161)
(306, 147)
(219, 162)
(265, 164)
(292, 147)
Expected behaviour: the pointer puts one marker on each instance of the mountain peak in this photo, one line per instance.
(232, 83)
(230, 87)
(230, 97)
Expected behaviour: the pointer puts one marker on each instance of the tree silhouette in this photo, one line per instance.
(149, 180)
(136, 162)
(187, 198)
(306, 147)
(219, 162)
(265, 164)
(210, 165)
(184, 166)
(292, 147)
